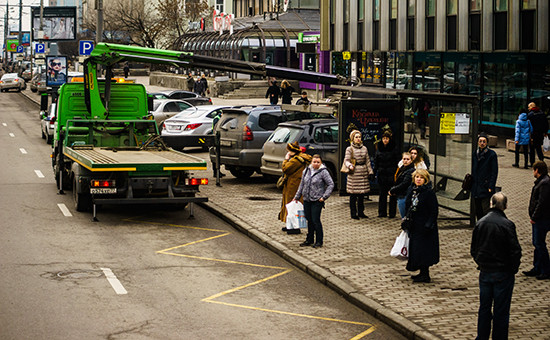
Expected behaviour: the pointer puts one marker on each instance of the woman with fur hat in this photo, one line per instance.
(357, 160)
(293, 165)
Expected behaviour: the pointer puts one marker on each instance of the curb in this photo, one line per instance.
(401, 324)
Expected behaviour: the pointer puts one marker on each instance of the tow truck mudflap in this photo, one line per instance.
(147, 200)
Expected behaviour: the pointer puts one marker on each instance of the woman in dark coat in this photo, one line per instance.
(385, 166)
(286, 92)
(403, 180)
(422, 211)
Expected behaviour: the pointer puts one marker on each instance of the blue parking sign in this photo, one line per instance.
(20, 49)
(85, 47)
(40, 48)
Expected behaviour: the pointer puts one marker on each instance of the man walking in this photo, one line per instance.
(540, 130)
(539, 212)
(484, 175)
(496, 250)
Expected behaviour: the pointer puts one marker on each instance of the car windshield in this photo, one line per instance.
(284, 134)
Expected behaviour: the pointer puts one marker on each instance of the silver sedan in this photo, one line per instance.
(11, 81)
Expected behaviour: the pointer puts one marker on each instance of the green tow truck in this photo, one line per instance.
(108, 153)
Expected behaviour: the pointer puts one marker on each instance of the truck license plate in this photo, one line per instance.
(102, 190)
(225, 142)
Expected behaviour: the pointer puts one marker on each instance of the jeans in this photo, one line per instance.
(541, 260)
(312, 210)
(494, 288)
(402, 207)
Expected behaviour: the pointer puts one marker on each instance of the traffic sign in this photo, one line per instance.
(85, 47)
(20, 49)
(40, 48)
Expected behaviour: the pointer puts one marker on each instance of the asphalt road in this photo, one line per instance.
(142, 272)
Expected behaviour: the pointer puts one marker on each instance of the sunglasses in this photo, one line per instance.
(56, 64)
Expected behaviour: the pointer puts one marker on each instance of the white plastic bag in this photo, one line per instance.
(293, 214)
(546, 143)
(400, 248)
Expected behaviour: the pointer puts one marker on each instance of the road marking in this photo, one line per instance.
(39, 173)
(64, 209)
(4, 124)
(12, 135)
(115, 283)
(282, 271)
(23, 151)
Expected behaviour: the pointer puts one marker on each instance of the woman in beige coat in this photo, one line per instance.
(359, 174)
(294, 164)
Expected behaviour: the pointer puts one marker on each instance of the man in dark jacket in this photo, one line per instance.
(385, 166)
(539, 212)
(540, 129)
(484, 175)
(496, 250)
(273, 93)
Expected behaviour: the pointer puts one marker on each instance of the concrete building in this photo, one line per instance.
(495, 49)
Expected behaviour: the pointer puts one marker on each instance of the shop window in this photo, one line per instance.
(410, 24)
(528, 32)
(474, 32)
(500, 25)
(430, 25)
(393, 25)
(360, 35)
(346, 37)
(451, 32)
(376, 26)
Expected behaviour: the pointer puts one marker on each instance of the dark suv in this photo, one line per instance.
(318, 136)
(243, 132)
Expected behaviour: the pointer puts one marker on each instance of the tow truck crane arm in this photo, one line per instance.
(108, 55)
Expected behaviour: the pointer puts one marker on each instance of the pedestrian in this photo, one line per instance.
(357, 160)
(484, 175)
(303, 100)
(422, 108)
(286, 92)
(126, 70)
(197, 87)
(539, 122)
(539, 213)
(522, 138)
(421, 224)
(190, 82)
(417, 158)
(403, 180)
(294, 164)
(215, 120)
(204, 86)
(315, 188)
(273, 93)
(496, 250)
(385, 167)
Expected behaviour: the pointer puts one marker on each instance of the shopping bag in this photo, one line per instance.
(302, 222)
(400, 249)
(546, 143)
(292, 208)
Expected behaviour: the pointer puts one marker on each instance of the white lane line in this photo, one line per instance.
(23, 151)
(39, 173)
(4, 124)
(115, 283)
(64, 209)
(12, 135)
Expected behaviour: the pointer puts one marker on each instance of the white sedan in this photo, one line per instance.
(12, 81)
(191, 127)
(166, 108)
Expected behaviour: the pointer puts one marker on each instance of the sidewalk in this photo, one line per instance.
(355, 261)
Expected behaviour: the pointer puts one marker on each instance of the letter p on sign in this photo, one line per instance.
(85, 47)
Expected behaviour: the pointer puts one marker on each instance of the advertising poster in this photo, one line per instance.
(372, 117)
(56, 72)
(59, 23)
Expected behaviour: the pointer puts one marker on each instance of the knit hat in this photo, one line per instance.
(483, 135)
(353, 133)
(387, 133)
(294, 147)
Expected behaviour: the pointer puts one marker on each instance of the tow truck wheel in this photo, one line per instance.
(82, 201)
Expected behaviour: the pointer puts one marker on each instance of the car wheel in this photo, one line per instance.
(241, 173)
(48, 139)
(33, 90)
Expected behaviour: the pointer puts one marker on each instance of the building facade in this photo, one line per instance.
(497, 50)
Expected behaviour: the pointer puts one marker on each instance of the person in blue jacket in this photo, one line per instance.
(522, 139)
(484, 175)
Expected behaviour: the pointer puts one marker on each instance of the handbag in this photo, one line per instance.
(352, 160)
(467, 182)
(400, 249)
(281, 181)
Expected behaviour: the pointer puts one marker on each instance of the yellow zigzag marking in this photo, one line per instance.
(211, 299)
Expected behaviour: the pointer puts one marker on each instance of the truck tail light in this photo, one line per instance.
(196, 181)
(192, 126)
(102, 183)
(247, 134)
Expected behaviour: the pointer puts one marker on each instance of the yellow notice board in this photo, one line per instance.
(454, 123)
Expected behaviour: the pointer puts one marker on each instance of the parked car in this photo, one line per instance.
(243, 132)
(166, 108)
(190, 97)
(318, 136)
(27, 75)
(47, 123)
(11, 81)
(157, 95)
(38, 83)
(190, 127)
